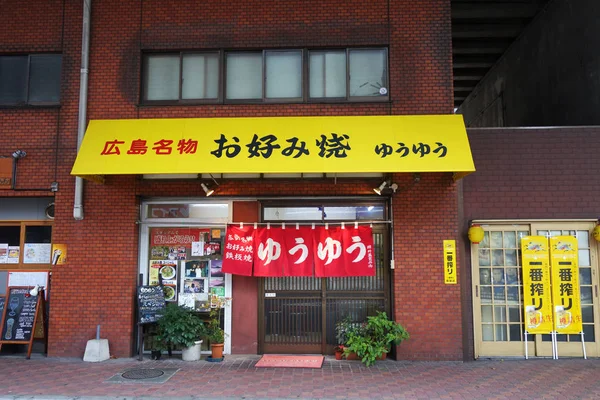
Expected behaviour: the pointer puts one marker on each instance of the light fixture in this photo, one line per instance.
(476, 234)
(35, 291)
(17, 154)
(207, 190)
(596, 233)
(380, 188)
(384, 186)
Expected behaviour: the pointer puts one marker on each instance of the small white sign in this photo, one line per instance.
(270, 294)
(197, 249)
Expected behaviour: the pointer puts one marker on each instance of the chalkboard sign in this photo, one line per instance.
(19, 317)
(1, 305)
(151, 303)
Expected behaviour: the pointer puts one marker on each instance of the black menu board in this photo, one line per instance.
(151, 303)
(1, 305)
(19, 316)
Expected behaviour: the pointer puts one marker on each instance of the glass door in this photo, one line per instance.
(498, 291)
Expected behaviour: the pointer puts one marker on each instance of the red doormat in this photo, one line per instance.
(276, 361)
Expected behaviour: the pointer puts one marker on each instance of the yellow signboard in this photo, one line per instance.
(431, 143)
(450, 262)
(565, 284)
(537, 300)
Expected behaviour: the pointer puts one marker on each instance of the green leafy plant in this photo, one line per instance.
(346, 326)
(214, 332)
(375, 338)
(178, 327)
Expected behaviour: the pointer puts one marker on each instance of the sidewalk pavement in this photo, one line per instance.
(237, 378)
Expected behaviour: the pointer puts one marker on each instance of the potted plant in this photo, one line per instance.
(343, 329)
(375, 339)
(179, 327)
(214, 332)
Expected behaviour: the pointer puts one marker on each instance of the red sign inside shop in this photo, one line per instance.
(277, 252)
(177, 236)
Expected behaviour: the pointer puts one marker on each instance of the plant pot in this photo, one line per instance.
(339, 355)
(352, 356)
(217, 350)
(382, 357)
(192, 353)
(156, 354)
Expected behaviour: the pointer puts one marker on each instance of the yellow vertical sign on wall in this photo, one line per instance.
(537, 299)
(565, 284)
(450, 262)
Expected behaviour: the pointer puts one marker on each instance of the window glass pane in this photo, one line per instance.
(162, 80)
(512, 294)
(587, 314)
(486, 294)
(486, 314)
(200, 76)
(501, 333)
(10, 235)
(485, 276)
(510, 257)
(512, 277)
(354, 213)
(497, 258)
(500, 314)
(586, 295)
(585, 276)
(327, 74)
(513, 314)
(487, 333)
(244, 76)
(13, 79)
(515, 333)
(38, 234)
(283, 74)
(486, 240)
(484, 258)
(368, 73)
(496, 240)
(584, 258)
(292, 214)
(510, 240)
(498, 276)
(44, 78)
(583, 239)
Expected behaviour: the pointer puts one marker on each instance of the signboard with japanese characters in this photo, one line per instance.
(322, 251)
(565, 284)
(431, 143)
(237, 258)
(537, 299)
(450, 262)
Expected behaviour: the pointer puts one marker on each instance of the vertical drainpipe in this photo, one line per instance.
(83, 91)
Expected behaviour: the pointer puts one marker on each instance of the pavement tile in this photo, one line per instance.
(237, 378)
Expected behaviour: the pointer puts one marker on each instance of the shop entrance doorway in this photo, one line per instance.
(299, 314)
(498, 291)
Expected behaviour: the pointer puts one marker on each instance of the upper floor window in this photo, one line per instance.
(30, 79)
(266, 76)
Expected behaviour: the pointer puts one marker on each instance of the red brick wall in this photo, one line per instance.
(418, 36)
(539, 174)
(425, 214)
